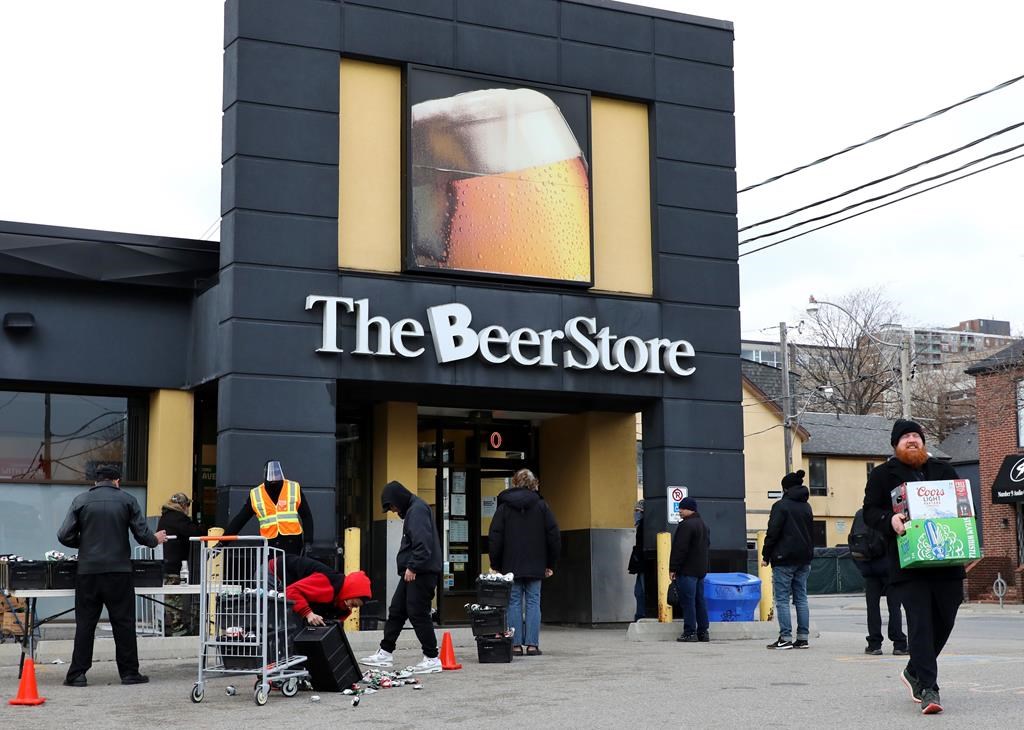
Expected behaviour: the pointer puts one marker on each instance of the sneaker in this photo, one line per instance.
(134, 679)
(801, 644)
(380, 659)
(874, 650)
(704, 636)
(428, 665)
(912, 684)
(781, 643)
(688, 638)
(900, 651)
(930, 704)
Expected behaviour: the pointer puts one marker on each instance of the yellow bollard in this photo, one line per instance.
(352, 565)
(764, 572)
(664, 549)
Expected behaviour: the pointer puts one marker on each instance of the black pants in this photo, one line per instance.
(92, 593)
(874, 588)
(412, 601)
(931, 608)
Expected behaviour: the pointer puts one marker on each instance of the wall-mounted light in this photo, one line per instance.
(19, 321)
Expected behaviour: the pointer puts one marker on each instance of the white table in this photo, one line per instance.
(31, 595)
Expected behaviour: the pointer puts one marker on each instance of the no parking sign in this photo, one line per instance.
(675, 496)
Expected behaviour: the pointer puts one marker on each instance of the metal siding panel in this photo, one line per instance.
(530, 16)
(310, 23)
(270, 73)
(697, 233)
(693, 42)
(398, 36)
(276, 404)
(694, 84)
(611, 28)
(506, 53)
(275, 293)
(699, 281)
(607, 70)
(286, 134)
(277, 239)
(275, 186)
(696, 186)
(306, 457)
(708, 329)
(695, 135)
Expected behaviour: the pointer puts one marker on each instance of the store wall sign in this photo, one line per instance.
(580, 345)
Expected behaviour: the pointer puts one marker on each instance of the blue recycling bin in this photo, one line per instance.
(732, 596)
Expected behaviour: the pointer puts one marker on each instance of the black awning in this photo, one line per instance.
(1008, 488)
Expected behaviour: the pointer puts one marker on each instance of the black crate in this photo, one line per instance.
(494, 651)
(23, 575)
(249, 653)
(330, 662)
(148, 573)
(489, 621)
(493, 593)
(61, 574)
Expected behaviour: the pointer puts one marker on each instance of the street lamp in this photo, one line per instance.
(813, 305)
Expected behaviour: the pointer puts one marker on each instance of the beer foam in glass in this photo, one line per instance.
(500, 185)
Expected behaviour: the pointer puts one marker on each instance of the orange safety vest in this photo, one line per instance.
(281, 518)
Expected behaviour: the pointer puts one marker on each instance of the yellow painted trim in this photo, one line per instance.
(170, 447)
(621, 174)
(370, 167)
(394, 450)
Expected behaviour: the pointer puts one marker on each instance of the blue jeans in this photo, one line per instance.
(525, 595)
(790, 581)
(695, 610)
(640, 594)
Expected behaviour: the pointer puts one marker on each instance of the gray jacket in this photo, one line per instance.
(97, 524)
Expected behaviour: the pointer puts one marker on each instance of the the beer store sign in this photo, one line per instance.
(581, 344)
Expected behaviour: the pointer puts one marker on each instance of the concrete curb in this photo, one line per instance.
(649, 629)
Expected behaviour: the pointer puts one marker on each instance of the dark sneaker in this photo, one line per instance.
(912, 684)
(704, 636)
(801, 644)
(78, 681)
(874, 650)
(781, 643)
(134, 679)
(688, 638)
(930, 704)
(900, 651)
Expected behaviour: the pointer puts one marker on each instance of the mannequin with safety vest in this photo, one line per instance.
(284, 518)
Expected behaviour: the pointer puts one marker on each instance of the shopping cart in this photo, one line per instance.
(244, 617)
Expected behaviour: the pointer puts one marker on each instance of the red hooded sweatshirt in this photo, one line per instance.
(315, 588)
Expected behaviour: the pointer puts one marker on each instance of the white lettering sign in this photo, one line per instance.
(586, 344)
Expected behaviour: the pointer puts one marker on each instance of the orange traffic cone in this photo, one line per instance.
(27, 692)
(448, 653)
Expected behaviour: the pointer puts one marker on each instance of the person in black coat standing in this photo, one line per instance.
(789, 548)
(930, 596)
(419, 564)
(524, 540)
(872, 561)
(175, 521)
(688, 564)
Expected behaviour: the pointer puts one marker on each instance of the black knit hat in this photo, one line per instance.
(793, 479)
(901, 427)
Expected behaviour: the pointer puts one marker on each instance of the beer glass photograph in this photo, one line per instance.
(499, 185)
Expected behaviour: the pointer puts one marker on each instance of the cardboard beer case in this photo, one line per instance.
(942, 530)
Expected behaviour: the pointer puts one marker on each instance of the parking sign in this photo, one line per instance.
(675, 496)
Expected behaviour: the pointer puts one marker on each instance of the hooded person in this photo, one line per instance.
(175, 521)
(688, 564)
(789, 549)
(419, 565)
(930, 596)
(319, 594)
(524, 540)
(284, 517)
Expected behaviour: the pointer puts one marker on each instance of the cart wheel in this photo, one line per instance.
(260, 695)
(197, 693)
(291, 687)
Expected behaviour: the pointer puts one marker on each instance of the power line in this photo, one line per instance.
(883, 135)
(879, 180)
(883, 205)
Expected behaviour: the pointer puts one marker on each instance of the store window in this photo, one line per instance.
(818, 477)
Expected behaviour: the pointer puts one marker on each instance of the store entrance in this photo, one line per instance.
(463, 464)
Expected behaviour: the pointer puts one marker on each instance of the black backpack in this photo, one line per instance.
(865, 543)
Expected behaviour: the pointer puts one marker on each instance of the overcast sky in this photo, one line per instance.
(111, 120)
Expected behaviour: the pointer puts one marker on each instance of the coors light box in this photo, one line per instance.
(942, 529)
(933, 500)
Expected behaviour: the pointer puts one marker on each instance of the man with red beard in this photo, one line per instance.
(930, 596)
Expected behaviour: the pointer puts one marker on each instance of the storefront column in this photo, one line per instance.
(169, 465)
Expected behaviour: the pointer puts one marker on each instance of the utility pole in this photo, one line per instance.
(787, 400)
(905, 379)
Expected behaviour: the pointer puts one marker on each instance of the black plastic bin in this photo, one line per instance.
(494, 650)
(489, 621)
(23, 575)
(61, 574)
(148, 573)
(494, 593)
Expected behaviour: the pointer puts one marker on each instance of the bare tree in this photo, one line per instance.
(853, 373)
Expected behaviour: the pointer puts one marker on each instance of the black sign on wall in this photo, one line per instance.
(1008, 488)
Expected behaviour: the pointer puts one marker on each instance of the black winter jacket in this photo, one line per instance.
(97, 524)
(178, 524)
(790, 537)
(878, 512)
(690, 547)
(524, 538)
(420, 550)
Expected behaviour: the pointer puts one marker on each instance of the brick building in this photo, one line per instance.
(1000, 399)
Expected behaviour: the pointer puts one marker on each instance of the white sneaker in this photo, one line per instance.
(380, 659)
(427, 666)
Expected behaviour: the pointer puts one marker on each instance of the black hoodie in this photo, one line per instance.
(790, 537)
(420, 550)
(524, 537)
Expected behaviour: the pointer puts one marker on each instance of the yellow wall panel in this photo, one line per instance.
(394, 450)
(170, 447)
